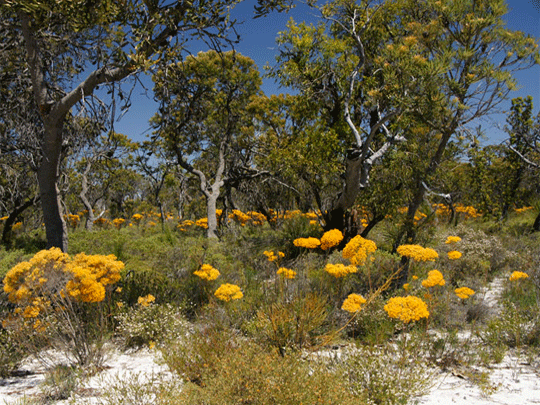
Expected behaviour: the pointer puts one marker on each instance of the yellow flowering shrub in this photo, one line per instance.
(272, 257)
(340, 270)
(257, 218)
(464, 292)
(418, 253)
(435, 278)
(85, 276)
(227, 292)
(454, 255)
(202, 222)
(137, 217)
(58, 300)
(146, 300)
(73, 220)
(452, 239)
(286, 273)
(308, 243)
(516, 275)
(406, 309)
(118, 222)
(101, 222)
(331, 238)
(358, 249)
(207, 272)
(353, 303)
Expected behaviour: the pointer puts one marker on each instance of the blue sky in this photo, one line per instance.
(258, 42)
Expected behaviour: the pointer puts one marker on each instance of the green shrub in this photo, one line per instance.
(11, 353)
(237, 371)
(145, 325)
(513, 327)
(295, 323)
(387, 375)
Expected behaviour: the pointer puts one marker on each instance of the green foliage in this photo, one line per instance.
(513, 327)
(9, 258)
(11, 353)
(296, 323)
(387, 375)
(60, 382)
(229, 370)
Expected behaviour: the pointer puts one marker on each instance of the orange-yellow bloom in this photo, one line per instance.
(353, 303)
(406, 309)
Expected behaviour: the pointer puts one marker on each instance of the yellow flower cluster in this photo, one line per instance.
(358, 249)
(146, 301)
(454, 255)
(256, 217)
(118, 222)
(202, 222)
(287, 273)
(207, 272)
(406, 309)
(240, 217)
(91, 274)
(73, 220)
(452, 239)
(308, 243)
(353, 303)
(272, 257)
(340, 270)
(87, 276)
(51, 277)
(435, 278)
(227, 292)
(464, 292)
(137, 217)
(418, 253)
(185, 224)
(516, 275)
(470, 212)
(331, 238)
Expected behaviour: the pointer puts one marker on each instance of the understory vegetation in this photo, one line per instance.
(281, 314)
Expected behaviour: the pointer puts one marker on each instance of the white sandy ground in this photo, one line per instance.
(515, 381)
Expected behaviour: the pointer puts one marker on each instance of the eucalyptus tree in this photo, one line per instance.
(72, 47)
(400, 72)
(523, 149)
(362, 75)
(478, 56)
(96, 161)
(203, 119)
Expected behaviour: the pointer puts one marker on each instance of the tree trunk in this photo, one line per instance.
(84, 189)
(47, 173)
(536, 225)
(211, 203)
(335, 219)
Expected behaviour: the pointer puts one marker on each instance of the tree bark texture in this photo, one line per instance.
(48, 172)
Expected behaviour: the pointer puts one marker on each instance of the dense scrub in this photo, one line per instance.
(275, 314)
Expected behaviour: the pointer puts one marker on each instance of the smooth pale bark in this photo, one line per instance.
(90, 218)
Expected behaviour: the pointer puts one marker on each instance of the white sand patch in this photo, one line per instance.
(512, 382)
(141, 365)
